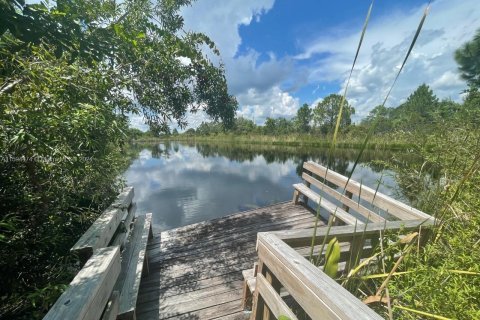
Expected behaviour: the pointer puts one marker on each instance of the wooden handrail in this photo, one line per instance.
(320, 296)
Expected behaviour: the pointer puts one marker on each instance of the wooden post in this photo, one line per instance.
(296, 195)
(258, 304)
(349, 195)
(305, 198)
(356, 250)
(273, 281)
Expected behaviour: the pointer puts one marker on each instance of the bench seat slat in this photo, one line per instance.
(370, 215)
(327, 205)
(133, 259)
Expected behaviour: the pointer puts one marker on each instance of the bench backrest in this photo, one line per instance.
(321, 177)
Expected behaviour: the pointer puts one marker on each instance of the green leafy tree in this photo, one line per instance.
(71, 72)
(325, 113)
(303, 119)
(380, 114)
(270, 126)
(468, 59)
(418, 110)
(244, 126)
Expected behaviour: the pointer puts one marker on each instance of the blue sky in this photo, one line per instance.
(279, 54)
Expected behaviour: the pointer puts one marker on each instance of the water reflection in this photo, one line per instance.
(187, 183)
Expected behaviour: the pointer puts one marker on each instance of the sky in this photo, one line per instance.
(280, 54)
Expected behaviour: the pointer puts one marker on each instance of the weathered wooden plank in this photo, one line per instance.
(88, 293)
(202, 229)
(272, 299)
(191, 229)
(102, 230)
(386, 203)
(239, 239)
(132, 267)
(334, 210)
(123, 231)
(299, 238)
(111, 310)
(318, 294)
(124, 198)
(346, 200)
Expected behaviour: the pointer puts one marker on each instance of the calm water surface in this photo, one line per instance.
(187, 183)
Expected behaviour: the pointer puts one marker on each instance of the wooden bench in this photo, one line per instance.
(369, 206)
(113, 251)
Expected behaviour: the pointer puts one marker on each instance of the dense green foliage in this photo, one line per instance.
(468, 59)
(71, 72)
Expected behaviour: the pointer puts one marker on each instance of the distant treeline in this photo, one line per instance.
(419, 112)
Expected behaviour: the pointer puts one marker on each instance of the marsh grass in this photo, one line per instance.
(399, 264)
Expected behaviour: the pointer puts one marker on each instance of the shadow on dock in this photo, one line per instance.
(196, 270)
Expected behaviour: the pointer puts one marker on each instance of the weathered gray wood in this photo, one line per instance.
(124, 199)
(102, 230)
(91, 288)
(299, 238)
(123, 231)
(334, 210)
(318, 294)
(132, 267)
(204, 262)
(386, 203)
(345, 199)
(272, 299)
(111, 310)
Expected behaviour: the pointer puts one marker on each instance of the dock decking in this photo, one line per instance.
(196, 270)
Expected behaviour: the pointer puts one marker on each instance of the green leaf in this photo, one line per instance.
(332, 256)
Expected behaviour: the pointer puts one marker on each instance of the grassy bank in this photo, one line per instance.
(294, 140)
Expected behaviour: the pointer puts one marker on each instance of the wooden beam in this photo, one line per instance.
(299, 238)
(318, 294)
(384, 202)
(272, 299)
(133, 259)
(102, 230)
(345, 199)
(90, 290)
(338, 212)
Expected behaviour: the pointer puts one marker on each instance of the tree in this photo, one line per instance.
(468, 59)
(244, 126)
(270, 126)
(325, 113)
(381, 115)
(70, 73)
(303, 118)
(418, 110)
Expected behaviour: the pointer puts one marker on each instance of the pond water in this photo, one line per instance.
(184, 183)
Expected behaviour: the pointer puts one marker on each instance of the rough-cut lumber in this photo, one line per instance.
(90, 290)
(334, 210)
(272, 299)
(299, 238)
(384, 202)
(318, 294)
(196, 270)
(347, 201)
(111, 311)
(123, 231)
(133, 260)
(102, 230)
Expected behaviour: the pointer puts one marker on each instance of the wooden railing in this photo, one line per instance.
(113, 254)
(285, 280)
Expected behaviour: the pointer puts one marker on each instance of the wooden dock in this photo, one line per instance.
(196, 270)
